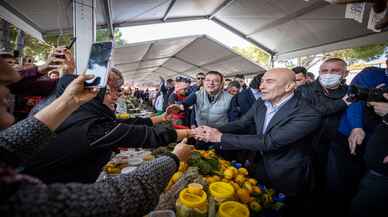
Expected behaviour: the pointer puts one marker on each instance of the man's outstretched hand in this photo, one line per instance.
(207, 134)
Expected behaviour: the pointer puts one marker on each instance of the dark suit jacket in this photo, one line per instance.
(285, 147)
(241, 103)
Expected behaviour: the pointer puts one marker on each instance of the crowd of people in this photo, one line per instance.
(314, 140)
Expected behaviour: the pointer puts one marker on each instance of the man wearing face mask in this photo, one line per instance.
(327, 95)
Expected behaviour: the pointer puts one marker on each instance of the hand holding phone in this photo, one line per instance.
(98, 64)
(63, 64)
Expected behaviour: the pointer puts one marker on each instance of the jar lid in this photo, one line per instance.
(221, 190)
(232, 209)
(192, 200)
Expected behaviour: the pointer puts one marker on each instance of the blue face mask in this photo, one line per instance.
(330, 80)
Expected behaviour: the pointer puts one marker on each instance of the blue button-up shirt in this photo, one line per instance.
(272, 109)
(256, 93)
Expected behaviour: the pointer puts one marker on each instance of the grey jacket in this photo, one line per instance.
(215, 113)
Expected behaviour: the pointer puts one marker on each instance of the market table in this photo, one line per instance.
(210, 172)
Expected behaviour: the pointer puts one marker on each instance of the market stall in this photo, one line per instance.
(206, 185)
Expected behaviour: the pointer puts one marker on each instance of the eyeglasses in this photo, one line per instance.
(201, 78)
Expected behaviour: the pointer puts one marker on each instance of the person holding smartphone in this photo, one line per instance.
(85, 141)
(134, 194)
(32, 88)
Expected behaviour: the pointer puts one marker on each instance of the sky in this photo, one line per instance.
(151, 32)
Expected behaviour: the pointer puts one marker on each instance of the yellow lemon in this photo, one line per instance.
(256, 189)
(252, 181)
(225, 180)
(216, 178)
(243, 195)
(243, 171)
(235, 171)
(240, 179)
(224, 163)
(228, 173)
(235, 186)
(248, 186)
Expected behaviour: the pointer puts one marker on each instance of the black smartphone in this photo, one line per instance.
(71, 43)
(99, 63)
(62, 56)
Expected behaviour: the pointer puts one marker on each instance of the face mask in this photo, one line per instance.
(330, 80)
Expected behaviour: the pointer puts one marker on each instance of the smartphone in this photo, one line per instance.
(71, 43)
(62, 56)
(99, 63)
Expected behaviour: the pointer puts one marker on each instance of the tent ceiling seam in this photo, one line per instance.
(289, 17)
(20, 15)
(165, 16)
(220, 8)
(237, 32)
(328, 43)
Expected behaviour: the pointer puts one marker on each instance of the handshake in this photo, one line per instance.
(206, 134)
(202, 133)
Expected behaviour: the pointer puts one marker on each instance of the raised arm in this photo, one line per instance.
(27, 137)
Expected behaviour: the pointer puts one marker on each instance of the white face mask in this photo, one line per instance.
(330, 80)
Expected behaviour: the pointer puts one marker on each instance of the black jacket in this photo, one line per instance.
(84, 143)
(331, 106)
(241, 103)
(285, 147)
(377, 149)
(80, 150)
(326, 103)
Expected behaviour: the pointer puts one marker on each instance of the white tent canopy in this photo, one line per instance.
(145, 62)
(283, 28)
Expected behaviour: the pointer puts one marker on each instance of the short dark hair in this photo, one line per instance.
(240, 76)
(300, 69)
(6, 55)
(234, 84)
(335, 59)
(256, 81)
(169, 80)
(216, 73)
(200, 73)
(53, 72)
(228, 79)
(311, 75)
(117, 72)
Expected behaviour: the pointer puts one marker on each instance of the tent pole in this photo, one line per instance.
(84, 24)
